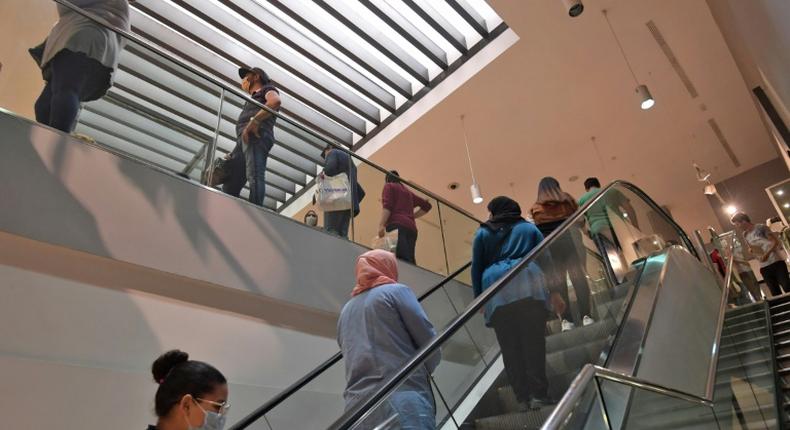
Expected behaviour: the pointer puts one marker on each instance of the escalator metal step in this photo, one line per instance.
(745, 352)
(515, 421)
(781, 315)
(780, 306)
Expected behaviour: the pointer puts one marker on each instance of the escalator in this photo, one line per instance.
(641, 306)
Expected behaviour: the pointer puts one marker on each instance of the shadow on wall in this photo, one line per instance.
(81, 230)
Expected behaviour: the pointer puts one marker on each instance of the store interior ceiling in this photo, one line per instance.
(561, 102)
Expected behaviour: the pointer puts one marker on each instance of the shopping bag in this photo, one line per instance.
(333, 193)
(388, 243)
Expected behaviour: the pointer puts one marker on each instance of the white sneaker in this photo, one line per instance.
(567, 325)
(587, 320)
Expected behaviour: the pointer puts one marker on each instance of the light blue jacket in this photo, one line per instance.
(378, 331)
(493, 255)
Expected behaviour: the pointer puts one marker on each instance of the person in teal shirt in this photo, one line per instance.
(518, 311)
(601, 231)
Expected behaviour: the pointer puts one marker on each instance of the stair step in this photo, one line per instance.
(515, 421)
(779, 306)
(735, 345)
(745, 352)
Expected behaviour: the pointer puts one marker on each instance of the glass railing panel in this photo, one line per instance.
(588, 412)
(312, 406)
(170, 114)
(461, 295)
(626, 229)
(531, 370)
(631, 407)
(745, 380)
(419, 241)
(156, 111)
(329, 386)
(458, 233)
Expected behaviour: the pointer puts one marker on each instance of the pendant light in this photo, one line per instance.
(477, 196)
(646, 100)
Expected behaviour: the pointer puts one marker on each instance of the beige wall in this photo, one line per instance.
(25, 24)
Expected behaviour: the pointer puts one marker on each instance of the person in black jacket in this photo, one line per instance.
(191, 394)
(338, 162)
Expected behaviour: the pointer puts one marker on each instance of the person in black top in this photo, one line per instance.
(255, 129)
(191, 394)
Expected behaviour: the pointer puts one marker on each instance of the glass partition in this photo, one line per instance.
(188, 120)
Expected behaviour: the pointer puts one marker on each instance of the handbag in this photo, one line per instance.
(333, 193)
(388, 243)
(220, 172)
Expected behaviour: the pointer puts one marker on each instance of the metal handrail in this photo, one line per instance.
(589, 372)
(246, 97)
(255, 415)
(353, 415)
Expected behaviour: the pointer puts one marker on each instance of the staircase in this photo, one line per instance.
(779, 309)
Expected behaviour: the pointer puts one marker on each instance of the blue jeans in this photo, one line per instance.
(337, 222)
(73, 78)
(404, 410)
(256, 152)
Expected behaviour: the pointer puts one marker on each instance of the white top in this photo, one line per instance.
(758, 238)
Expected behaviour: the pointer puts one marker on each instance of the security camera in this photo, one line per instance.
(575, 7)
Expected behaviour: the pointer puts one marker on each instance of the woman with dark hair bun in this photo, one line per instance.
(191, 395)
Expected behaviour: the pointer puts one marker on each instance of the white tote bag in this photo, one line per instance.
(333, 193)
(388, 243)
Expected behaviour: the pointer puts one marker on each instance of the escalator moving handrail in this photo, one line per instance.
(309, 377)
(352, 416)
(246, 97)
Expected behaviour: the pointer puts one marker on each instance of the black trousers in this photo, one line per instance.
(74, 78)
(407, 242)
(776, 277)
(520, 329)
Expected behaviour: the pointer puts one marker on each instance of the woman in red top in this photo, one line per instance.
(398, 214)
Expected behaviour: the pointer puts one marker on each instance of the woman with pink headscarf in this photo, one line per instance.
(379, 330)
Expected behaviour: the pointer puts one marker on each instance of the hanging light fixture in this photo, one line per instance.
(646, 100)
(477, 196)
(574, 7)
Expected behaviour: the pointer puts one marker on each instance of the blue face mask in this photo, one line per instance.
(211, 420)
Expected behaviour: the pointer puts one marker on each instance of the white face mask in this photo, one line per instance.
(311, 220)
(211, 420)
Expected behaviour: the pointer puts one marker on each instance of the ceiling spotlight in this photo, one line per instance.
(644, 95)
(477, 197)
(575, 7)
(731, 210)
(780, 192)
(786, 205)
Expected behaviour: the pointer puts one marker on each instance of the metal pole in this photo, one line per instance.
(211, 148)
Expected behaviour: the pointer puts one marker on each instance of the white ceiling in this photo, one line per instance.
(534, 110)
